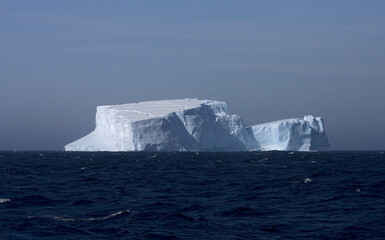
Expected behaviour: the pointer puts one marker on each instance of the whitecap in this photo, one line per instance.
(69, 219)
(4, 200)
(106, 217)
(63, 219)
(263, 159)
(307, 180)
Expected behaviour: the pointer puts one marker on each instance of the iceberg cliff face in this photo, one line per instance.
(292, 134)
(168, 125)
(192, 125)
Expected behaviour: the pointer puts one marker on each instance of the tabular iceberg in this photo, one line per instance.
(194, 125)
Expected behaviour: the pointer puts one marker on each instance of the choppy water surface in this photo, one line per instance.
(256, 195)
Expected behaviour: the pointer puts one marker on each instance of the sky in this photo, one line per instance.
(267, 60)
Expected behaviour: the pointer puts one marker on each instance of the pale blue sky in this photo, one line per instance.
(268, 60)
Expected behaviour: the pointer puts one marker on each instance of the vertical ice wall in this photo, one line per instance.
(292, 134)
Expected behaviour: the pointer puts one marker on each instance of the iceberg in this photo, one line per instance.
(194, 125)
(297, 134)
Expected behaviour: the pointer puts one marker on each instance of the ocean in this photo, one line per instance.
(192, 195)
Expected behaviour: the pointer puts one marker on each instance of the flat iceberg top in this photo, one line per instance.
(151, 109)
(308, 118)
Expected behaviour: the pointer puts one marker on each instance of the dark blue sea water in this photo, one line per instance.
(245, 195)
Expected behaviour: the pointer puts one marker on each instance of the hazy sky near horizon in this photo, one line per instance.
(268, 60)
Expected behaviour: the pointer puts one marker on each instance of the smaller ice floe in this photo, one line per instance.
(291, 153)
(307, 180)
(358, 190)
(41, 155)
(4, 200)
(313, 162)
(153, 156)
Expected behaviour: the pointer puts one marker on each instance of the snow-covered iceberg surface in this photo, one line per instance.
(192, 124)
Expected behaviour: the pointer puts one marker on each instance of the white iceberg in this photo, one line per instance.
(191, 125)
(297, 134)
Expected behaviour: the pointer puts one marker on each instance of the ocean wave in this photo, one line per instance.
(189, 197)
(70, 219)
(242, 212)
(4, 200)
